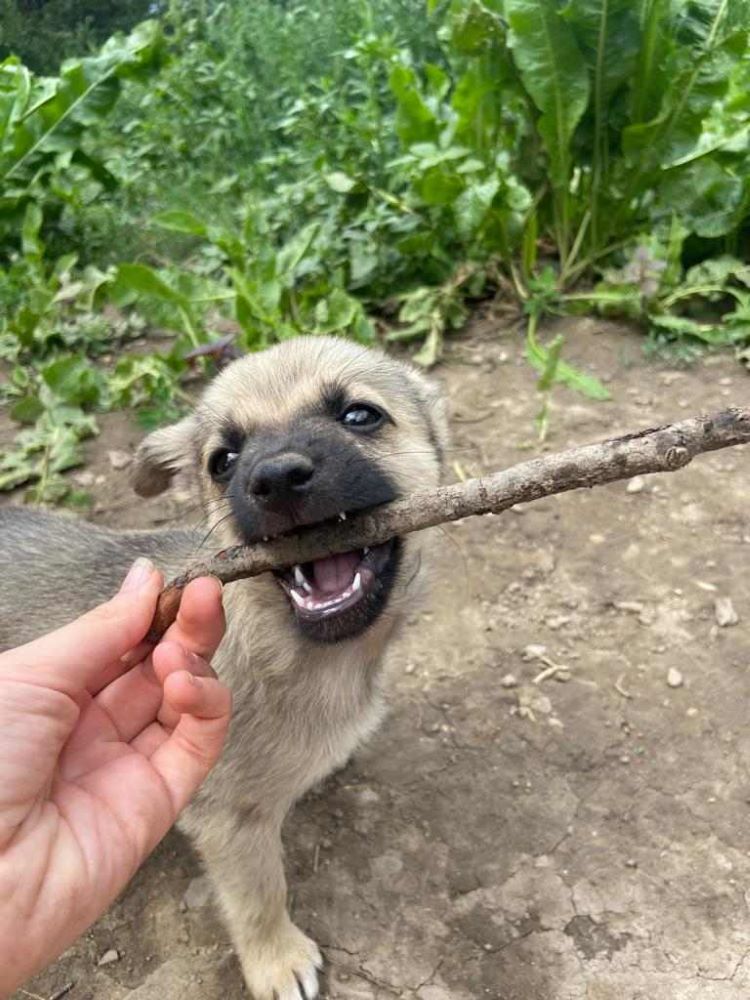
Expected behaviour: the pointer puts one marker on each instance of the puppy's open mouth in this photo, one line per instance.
(339, 596)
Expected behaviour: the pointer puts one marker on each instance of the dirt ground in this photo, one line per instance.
(516, 831)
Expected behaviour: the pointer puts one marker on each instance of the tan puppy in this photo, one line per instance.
(304, 432)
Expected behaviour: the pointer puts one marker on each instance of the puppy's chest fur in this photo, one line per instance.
(300, 709)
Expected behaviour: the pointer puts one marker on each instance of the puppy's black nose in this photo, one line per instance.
(281, 479)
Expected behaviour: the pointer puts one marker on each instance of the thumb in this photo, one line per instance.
(71, 658)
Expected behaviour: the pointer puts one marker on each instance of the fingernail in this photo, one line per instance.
(200, 666)
(138, 575)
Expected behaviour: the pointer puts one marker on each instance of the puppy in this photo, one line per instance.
(304, 432)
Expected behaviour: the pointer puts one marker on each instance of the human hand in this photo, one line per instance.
(102, 744)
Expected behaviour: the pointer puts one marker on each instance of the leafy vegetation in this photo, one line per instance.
(246, 172)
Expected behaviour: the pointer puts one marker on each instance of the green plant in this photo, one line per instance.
(48, 167)
(370, 171)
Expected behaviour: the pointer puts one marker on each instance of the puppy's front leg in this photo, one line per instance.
(244, 860)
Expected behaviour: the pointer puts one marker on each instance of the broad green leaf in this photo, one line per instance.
(472, 206)
(225, 184)
(474, 28)
(73, 380)
(27, 410)
(340, 182)
(336, 312)
(705, 196)
(181, 222)
(676, 327)
(415, 121)
(144, 280)
(708, 37)
(438, 186)
(718, 271)
(609, 37)
(86, 90)
(554, 73)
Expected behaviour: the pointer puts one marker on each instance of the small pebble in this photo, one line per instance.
(634, 607)
(675, 678)
(109, 957)
(558, 621)
(509, 681)
(725, 613)
(691, 713)
(533, 652)
(119, 459)
(631, 863)
(636, 485)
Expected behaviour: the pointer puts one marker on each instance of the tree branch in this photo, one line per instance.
(660, 449)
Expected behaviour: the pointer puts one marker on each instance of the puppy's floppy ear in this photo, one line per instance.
(435, 408)
(162, 455)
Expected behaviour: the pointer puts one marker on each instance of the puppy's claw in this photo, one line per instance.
(308, 981)
(284, 969)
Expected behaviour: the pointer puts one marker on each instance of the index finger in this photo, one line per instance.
(73, 658)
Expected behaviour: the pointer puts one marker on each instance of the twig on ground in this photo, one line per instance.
(621, 690)
(660, 449)
(63, 992)
(558, 670)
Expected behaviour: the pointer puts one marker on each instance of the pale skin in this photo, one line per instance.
(102, 744)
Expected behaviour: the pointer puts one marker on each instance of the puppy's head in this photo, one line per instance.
(308, 431)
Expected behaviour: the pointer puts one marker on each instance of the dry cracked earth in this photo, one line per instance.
(558, 804)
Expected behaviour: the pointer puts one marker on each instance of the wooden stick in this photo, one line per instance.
(659, 449)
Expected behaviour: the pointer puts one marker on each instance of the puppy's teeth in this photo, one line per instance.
(299, 576)
(297, 598)
(366, 550)
(342, 516)
(357, 584)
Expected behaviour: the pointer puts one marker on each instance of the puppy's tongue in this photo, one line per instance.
(335, 573)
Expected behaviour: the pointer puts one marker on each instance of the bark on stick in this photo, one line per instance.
(658, 449)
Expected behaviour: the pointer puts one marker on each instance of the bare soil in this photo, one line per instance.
(558, 805)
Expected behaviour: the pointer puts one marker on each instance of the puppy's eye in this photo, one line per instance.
(222, 463)
(362, 417)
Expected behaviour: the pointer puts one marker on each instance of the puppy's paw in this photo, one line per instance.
(284, 968)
